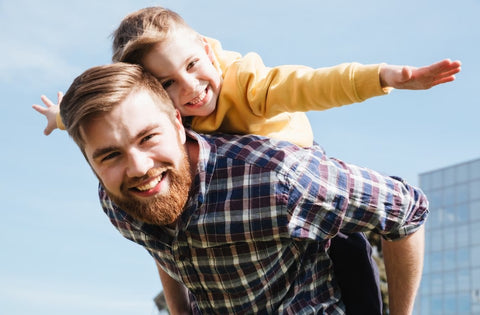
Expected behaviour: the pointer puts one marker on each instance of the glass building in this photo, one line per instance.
(451, 275)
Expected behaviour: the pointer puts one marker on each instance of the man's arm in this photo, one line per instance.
(176, 294)
(404, 264)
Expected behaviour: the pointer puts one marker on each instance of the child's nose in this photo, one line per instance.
(189, 84)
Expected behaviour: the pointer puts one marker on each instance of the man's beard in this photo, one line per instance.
(162, 209)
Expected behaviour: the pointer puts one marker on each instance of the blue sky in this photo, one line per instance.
(60, 255)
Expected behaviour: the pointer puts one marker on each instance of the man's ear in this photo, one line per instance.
(179, 126)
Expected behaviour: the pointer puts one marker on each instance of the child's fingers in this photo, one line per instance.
(47, 131)
(451, 72)
(445, 66)
(46, 101)
(406, 74)
(42, 110)
(443, 80)
(59, 97)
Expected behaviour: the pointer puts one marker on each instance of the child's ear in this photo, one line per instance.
(179, 126)
(208, 50)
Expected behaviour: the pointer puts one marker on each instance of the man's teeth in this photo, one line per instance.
(197, 99)
(149, 185)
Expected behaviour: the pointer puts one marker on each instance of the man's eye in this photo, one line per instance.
(110, 156)
(166, 84)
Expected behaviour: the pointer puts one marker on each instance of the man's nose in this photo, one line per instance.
(138, 163)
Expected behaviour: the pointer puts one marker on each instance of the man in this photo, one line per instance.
(237, 224)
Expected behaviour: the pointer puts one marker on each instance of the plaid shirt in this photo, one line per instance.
(254, 235)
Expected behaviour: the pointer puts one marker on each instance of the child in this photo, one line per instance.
(223, 91)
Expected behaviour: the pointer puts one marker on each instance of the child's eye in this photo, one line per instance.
(192, 64)
(167, 84)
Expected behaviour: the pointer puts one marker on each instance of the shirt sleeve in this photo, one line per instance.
(330, 196)
(295, 88)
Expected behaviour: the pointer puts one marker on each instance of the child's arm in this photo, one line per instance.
(423, 78)
(271, 91)
(51, 112)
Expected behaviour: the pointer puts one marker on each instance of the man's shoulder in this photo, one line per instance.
(255, 150)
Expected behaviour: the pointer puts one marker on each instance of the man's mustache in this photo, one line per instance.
(151, 173)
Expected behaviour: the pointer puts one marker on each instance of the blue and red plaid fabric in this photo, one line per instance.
(255, 233)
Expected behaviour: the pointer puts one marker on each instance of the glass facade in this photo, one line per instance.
(451, 275)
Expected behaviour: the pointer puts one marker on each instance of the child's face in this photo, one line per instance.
(183, 64)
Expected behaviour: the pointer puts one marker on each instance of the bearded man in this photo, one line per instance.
(236, 224)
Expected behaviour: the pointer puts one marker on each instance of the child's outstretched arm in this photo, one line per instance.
(423, 78)
(50, 112)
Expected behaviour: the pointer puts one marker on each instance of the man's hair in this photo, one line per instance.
(100, 89)
(142, 29)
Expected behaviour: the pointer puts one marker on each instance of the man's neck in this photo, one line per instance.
(192, 149)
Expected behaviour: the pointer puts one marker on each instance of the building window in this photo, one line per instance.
(463, 257)
(449, 304)
(463, 236)
(436, 305)
(475, 258)
(436, 261)
(451, 276)
(475, 190)
(463, 304)
(449, 259)
(436, 240)
(475, 210)
(462, 173)
(475, 170)
(461, 193)
(474, 229)
(449, 176)
(463, 280)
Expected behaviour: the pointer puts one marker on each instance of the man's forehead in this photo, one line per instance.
(86, 126)
(132, 115)
(140, 104)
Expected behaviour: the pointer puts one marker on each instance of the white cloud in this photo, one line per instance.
(22, 64)
(53, 43)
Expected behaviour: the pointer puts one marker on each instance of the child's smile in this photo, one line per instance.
(183, 64)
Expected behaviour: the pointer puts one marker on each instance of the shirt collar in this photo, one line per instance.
(203, 176)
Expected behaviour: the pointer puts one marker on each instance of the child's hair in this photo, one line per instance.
(100, 89)
(142, 29)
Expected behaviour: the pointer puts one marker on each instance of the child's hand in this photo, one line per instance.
(50, 112)
(423, 78)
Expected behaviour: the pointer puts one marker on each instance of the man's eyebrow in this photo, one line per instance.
(146, 130)
(102, 151)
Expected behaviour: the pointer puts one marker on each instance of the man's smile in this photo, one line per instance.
(150, 187)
